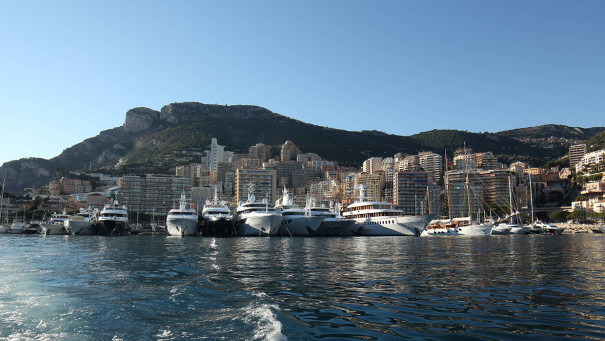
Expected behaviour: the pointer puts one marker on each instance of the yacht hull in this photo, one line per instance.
(338, 227)
(394, 226)
(299, 225)
(110, 228)
(475, 230)
(182, 227)
(222, 227)
(501, 230)
(52, 229)
(259, 224)
(78, 227)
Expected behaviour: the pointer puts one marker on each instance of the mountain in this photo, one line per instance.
(155, 141)
(596, 142)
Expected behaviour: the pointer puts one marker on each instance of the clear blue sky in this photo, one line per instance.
(69, 69)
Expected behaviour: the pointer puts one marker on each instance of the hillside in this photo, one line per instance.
(154, 141)
(596, 142)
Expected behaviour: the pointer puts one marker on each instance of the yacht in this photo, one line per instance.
(79, 224)
(55, 225)
(544, 228)
(111, 221)
(217, 218)
(333, 224)
(182, 221)
(457, 227)
(382, 219)
(296, 221)
(501, 229)
(257, 218)
(516, 228)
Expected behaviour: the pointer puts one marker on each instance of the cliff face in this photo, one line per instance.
(25, 173)
(153, 141)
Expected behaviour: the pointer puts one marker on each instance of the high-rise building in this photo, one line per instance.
(372, 165)
(289, 151)
(576, 153)
(152, 193)
(416, 193)
(432, 163)
(374, 185)
(260, 151)
(486, 161)
(478, 189)
(216, 155)
(264, 181)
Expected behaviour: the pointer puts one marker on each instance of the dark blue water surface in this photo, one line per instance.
(376, 288)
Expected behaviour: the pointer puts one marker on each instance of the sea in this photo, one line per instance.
(517, 287)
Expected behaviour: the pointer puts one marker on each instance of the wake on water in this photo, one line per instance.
(262, 316)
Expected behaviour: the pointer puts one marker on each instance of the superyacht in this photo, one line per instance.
(182, 221)
(55, 225)
(334, 224)
(217, 218)
(111, 221)
(257, 218)
(296, 221)
(382, 219)
(79, 224)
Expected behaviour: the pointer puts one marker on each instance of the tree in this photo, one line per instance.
(559, 215)
(578, 216)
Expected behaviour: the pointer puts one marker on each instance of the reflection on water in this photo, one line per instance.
(153, 287)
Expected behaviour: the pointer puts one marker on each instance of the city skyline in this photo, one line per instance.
(75, 68)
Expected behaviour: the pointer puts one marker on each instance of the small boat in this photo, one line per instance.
(544, 228)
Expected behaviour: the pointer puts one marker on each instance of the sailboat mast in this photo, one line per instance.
(2, 200)
(510, 199)
(447, 188)
(531, 197)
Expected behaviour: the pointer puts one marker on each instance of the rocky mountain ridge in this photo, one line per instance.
(154, 141)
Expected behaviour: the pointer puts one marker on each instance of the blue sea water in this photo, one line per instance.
(367, 288)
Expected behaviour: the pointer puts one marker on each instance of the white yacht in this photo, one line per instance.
(80, 224)
(296, 221)
(182, 221)
(55, 225)
(457, 227)
(17, 227)
(217, 218)
(257, 218)
(111, 221)
(545, 228)
(516, 228)
(382, 219)
(333, 224)
(501, 229)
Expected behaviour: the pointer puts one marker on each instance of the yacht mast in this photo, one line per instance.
(531, 198)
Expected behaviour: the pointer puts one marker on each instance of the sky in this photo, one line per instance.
(70, 69)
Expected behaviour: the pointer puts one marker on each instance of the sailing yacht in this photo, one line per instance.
(182, 221)
(257, 218)
(382, 219)
(217, 218)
